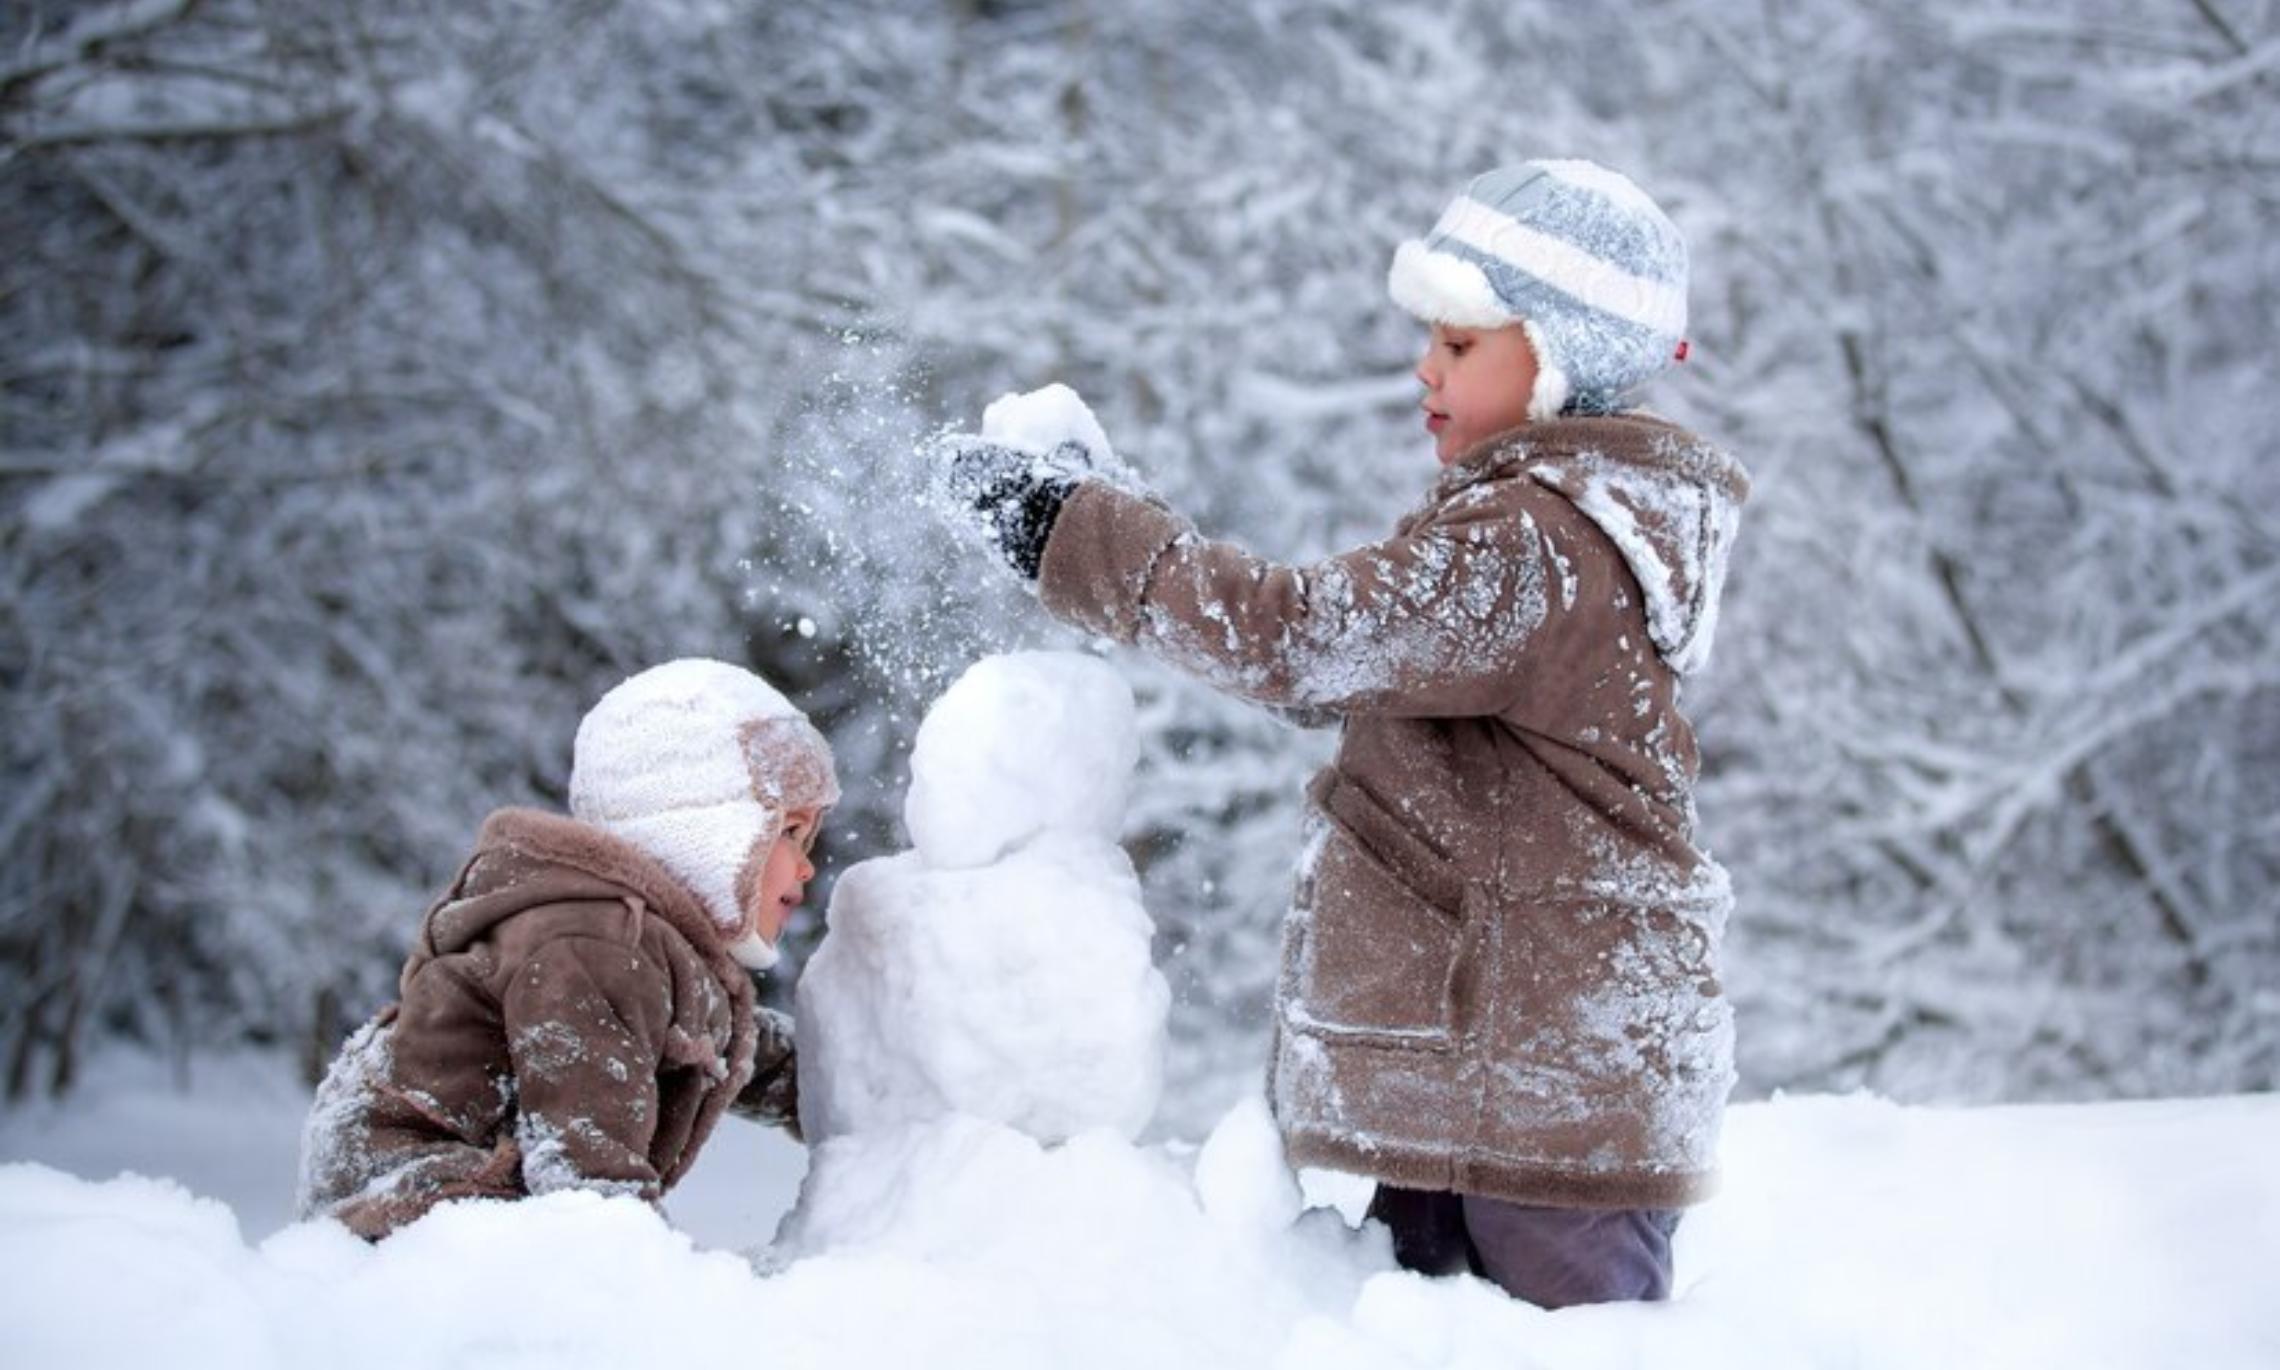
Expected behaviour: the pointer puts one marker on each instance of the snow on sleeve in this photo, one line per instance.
(1435, 620)
(1002, 969)
(585, 1075)
(337, 1159)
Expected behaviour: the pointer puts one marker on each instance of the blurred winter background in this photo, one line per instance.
(381, 382)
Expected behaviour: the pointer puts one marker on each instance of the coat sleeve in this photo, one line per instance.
(584, 1021)
(1434, 622)
(772, 1096)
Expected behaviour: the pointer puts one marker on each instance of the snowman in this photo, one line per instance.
(1000, 969)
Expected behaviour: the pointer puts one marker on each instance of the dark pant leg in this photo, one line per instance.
(1559, 1257)
(1428, 1229)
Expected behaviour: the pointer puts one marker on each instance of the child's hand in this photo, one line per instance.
(1010, 494)
(975, 473)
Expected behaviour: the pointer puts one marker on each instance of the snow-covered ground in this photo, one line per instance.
(1851, 1233)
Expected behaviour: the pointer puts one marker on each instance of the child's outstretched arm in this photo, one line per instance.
(1435, 621)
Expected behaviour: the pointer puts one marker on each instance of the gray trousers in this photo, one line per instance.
(1551, 1257)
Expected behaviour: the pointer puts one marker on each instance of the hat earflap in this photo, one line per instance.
(1442, 288)
(1553, 391)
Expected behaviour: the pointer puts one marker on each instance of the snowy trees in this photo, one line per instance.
(362, 422)
(2015, 456)
(380, 383)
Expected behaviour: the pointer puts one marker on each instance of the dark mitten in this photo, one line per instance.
(1013, 496)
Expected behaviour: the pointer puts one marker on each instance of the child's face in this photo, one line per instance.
(1478, 382)
(784, 876)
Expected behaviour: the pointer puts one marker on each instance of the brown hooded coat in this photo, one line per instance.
(1500, 969)
(569, 1018)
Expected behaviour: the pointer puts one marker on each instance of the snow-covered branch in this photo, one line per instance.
(174, 131)
(86, 36)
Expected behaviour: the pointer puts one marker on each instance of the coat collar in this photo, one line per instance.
(525, 857)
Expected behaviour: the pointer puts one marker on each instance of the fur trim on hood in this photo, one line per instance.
(527, 857)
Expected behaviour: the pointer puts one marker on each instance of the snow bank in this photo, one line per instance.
(1093, 1253)
(1853, 1233)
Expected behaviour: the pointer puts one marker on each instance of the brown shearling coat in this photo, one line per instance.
(569, 1018)
(1500, 969)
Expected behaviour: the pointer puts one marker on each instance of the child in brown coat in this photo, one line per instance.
(578, 1009)
(1499, 992)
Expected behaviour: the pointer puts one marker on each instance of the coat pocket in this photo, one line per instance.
(1381, 950)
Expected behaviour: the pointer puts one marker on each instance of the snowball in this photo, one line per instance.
(1021, 744)
(1043, 419)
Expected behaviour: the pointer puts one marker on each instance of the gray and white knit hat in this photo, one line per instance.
(696, 763)
(1575, 253)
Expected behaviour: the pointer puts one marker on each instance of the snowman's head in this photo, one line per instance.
(1022, 743)
(697, 763)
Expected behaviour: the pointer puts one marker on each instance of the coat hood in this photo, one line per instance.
(526, 858)
(1669, 501)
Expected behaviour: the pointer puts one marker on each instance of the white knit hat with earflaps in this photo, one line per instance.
(696, 763)
(1575, 254)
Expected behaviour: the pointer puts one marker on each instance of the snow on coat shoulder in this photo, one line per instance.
(1672, 509)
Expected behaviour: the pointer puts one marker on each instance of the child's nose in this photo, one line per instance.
(1425, 370)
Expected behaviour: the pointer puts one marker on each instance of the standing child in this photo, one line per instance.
(1499, 994)
(577, 1011)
